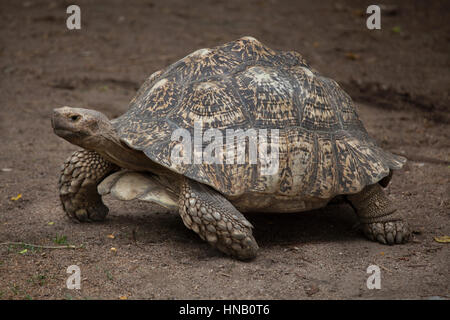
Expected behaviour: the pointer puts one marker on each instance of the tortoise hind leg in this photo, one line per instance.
(381, 220)
(80, 174)
(216, 220)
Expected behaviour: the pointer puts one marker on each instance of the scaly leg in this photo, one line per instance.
(81, 173)
(216, 220)
(380, 219)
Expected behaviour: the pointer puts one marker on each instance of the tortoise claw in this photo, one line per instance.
(392, 232)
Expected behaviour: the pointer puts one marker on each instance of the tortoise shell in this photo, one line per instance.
(324, 150)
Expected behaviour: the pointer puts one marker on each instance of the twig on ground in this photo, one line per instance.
(39, 246)
(382, 267)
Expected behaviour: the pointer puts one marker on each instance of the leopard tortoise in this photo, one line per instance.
(324, 150)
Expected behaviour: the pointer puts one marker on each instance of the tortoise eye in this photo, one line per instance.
(74, 117)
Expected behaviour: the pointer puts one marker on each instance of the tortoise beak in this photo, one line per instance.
(61, 125)
(57, 119)
(55, 112)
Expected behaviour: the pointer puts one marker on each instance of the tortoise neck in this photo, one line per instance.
(111, 147)
(105, 137)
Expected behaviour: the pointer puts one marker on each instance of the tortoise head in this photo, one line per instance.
(82, 127)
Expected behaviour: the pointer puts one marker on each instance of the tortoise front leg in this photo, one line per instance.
(81, 173)
(381, 220)
(216, 220)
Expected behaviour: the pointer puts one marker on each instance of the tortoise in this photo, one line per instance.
(324, 151)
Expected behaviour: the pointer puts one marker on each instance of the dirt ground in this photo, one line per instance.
(399, 77)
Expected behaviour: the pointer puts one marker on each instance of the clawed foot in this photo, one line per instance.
(78, 182)
(217, 221)
(392, 232)
(84, 211)
(381, 221)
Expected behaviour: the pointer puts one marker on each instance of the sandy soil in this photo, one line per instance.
(399, 76)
